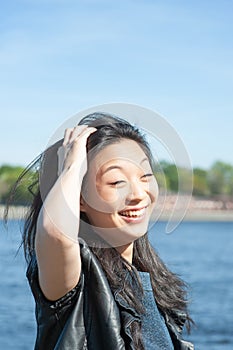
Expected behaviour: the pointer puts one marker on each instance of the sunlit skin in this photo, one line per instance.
(121, 194)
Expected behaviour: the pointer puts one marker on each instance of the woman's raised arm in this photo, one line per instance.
(57, 247)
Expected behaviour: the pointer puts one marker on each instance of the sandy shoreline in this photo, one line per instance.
(191, 215)
(15, 212)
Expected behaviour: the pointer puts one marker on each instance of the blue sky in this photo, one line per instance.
(58, 57)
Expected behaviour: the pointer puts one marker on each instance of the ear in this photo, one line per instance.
(82, 204)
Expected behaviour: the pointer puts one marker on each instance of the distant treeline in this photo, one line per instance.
(217, 181)
(9, 192)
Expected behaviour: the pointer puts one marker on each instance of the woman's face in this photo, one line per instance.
(120, 192)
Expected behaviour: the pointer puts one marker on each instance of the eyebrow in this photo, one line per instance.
(112, 167)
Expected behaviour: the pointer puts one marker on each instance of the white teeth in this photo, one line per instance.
(133, 213)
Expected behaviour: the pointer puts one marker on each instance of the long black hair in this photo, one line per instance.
(170, 291)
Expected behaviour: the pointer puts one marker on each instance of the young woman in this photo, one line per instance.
(98, 283)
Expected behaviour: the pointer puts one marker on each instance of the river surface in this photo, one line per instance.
(200, 252)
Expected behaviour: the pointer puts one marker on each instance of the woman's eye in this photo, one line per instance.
(115, 183)
(147, 176)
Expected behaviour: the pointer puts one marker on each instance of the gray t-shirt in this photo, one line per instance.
(155, 334)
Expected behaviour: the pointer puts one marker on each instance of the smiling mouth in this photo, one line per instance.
(133, 213)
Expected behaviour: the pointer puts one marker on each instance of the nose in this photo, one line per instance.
(136, 193)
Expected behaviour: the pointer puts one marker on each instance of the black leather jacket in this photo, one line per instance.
(90, 316)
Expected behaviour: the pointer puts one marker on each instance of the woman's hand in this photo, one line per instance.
(73, 150)
(56, 243)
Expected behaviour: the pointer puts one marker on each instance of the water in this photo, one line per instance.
(17, 325)
(201, 253)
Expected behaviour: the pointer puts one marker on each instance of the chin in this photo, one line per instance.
(117, 237)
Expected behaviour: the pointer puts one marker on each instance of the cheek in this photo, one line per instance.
(108, 194)
(110, 199)
(154, 190)
(101, 199)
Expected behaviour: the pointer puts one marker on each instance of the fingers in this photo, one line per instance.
(79, 132)
(61, 153)
(67, 135)
(74, 146)
(71, 134)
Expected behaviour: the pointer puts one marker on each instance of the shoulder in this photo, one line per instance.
(32, 275)
(90, 267)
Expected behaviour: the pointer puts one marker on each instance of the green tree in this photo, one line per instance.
(185, 179)
(8, 177)
(175, 177)
(170, 171)
(200, 185)
(220, 178)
